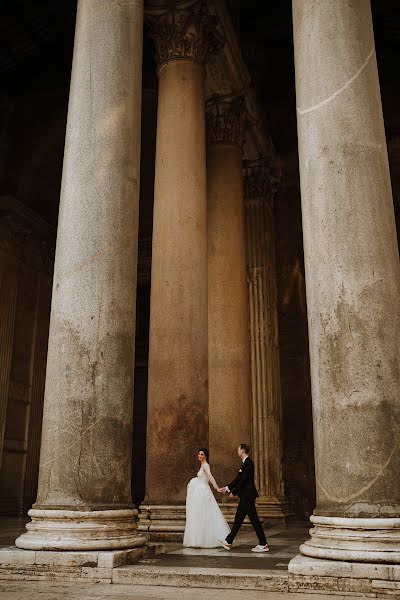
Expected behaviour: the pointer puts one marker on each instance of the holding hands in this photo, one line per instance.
(224, 490)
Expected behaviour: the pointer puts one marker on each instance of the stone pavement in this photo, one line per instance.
(187, 573)
(46, 590)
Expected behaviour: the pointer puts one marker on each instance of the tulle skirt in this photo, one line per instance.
(205, 522)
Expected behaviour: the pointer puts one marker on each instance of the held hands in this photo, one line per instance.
(223, 490)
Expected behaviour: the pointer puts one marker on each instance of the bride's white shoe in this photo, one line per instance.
(225, 544)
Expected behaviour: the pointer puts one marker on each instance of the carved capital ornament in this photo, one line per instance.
(226, 120)
(260, 181)
(185, 33)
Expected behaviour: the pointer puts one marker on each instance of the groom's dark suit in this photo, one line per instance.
(244, 487)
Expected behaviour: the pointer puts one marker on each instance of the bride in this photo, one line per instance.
(205, 522)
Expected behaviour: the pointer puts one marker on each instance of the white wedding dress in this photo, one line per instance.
(205, 522)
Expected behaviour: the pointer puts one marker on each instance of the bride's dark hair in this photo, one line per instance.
(205, 450)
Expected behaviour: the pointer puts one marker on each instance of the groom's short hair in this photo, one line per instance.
(245, 447)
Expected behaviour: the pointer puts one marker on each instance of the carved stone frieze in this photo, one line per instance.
(226, 120)
(188, 32)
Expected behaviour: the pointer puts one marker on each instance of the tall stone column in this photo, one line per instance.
(177, 422)
(84, 496)
(353, 283)
(264, 345)
(228, 331)
(8, 305)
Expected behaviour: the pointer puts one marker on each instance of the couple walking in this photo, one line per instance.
(206, 526)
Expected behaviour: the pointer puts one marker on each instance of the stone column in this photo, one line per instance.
(177, 422)
(353, 283)
(228, 331)
(84, 496)
(263, 319)
(8, 304)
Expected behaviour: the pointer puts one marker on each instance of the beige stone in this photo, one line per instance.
(177, 418)
(267, 438)
(228, 331)
(85, 461)
(353, 281)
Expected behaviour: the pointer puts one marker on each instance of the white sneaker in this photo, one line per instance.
(225, 544)
(259, 548)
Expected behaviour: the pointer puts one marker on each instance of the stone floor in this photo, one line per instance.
(45, 590)
(283, 542)
(185, 573)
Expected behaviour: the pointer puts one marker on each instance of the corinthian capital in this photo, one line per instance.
(260, 180)
(184, 30)
(226, 120)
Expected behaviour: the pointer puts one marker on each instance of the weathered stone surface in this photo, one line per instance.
(97, 566)
(259, 184)
(87, 427)
(305, 565)
(177, 422)
(202, 578)
(228, 330)
(353, 282)
(13, 556)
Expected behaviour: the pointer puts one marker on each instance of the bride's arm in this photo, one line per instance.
(210, 477)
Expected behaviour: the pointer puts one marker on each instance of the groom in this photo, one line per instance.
(244, 487)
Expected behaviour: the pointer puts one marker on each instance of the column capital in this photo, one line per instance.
(184, 31)
(260, 180)
(226, 120)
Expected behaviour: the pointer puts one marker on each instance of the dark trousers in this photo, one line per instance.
(247, 507)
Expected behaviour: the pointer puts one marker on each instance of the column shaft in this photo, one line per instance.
(263, 319)
(8, 304)
(178, 392)
(353, 282)
(228, 347)
(84, 495)
(177, 421)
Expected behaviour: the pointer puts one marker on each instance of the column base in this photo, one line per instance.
(162, 522)
(353, 539)
(81, 530)
(308, 574)
(166, 522)
(88, 566)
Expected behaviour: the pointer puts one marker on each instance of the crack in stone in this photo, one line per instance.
(363, 489)
(303, 111)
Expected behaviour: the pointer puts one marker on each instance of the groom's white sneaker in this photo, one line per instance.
(259, 548)
(225, 544)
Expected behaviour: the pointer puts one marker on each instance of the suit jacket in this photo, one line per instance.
(243, 484)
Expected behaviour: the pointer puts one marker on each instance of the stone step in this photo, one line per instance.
(241, 579)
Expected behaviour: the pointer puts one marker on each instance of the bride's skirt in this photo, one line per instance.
(205, 522)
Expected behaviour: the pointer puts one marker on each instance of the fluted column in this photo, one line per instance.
(228, 339)
(84, 495)
(263, 320)
(353, 283)
(177, 423)
(8, 304)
